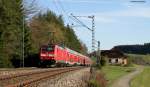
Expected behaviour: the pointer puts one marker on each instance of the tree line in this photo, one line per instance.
(20, 38)
(135, 49)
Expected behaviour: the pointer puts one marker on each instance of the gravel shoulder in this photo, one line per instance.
(71, 79)
(125, 80)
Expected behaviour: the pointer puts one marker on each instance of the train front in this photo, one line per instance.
(47, 55)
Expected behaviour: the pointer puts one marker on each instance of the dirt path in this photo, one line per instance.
(125, 80)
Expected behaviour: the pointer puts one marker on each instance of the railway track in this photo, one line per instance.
(26, 79)
(8, 72)
(12, 69)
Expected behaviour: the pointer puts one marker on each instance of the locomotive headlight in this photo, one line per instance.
(51, 55)
(43, 54)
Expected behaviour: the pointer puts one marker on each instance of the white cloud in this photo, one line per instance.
(143, 12)
(111, 17)
(105, 19)
(114, 16)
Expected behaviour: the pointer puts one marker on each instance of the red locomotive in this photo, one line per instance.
(54, 54)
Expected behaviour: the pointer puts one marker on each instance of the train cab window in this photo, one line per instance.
(49, 48)
(43, 49)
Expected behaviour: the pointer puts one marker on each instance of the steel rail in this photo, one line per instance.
(37, 76)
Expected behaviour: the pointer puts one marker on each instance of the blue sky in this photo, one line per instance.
(118, 22)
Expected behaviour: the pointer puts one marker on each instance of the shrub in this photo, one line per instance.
(97, 80)
(103, 61)
(93, 83)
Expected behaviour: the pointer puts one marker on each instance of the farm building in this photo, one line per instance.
(115, 57)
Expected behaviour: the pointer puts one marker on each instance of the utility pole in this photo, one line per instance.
(93, 33)
(23, 24)
(91, 29)
(99, 53)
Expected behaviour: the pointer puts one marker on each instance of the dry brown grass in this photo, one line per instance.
(97, 79)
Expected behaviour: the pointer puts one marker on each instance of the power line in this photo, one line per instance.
(63, 9)
(74, 18)
(80, 22)
(91, 29)
(55, 4)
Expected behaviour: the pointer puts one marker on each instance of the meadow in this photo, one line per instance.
(143, 79)
(112, 73)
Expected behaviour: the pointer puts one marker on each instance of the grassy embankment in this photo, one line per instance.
(143, 79)
(139, 59)
(112, 73)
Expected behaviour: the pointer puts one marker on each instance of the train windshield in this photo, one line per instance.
(48, 48)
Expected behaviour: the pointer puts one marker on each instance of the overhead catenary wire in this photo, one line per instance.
(91, 29)
(74, 18)
(61, 5)
(64, 12)
(80, 22)
(57, 8)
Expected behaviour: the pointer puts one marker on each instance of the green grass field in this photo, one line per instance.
(112, 73)
(143, 79)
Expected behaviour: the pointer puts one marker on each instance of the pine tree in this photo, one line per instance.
(72, 40)
(10, 27)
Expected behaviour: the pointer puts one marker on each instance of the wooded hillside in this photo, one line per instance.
(134, 49)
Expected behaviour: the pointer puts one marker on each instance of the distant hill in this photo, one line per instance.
(134, 49)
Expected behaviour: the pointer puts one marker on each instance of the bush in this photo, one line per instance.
(97, 79)
(103, 61)
(93, 83)
(5, 63)
(98, 66)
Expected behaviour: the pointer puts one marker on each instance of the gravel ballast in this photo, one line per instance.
(72, 79)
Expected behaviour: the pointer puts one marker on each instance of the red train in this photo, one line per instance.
(54, 54)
